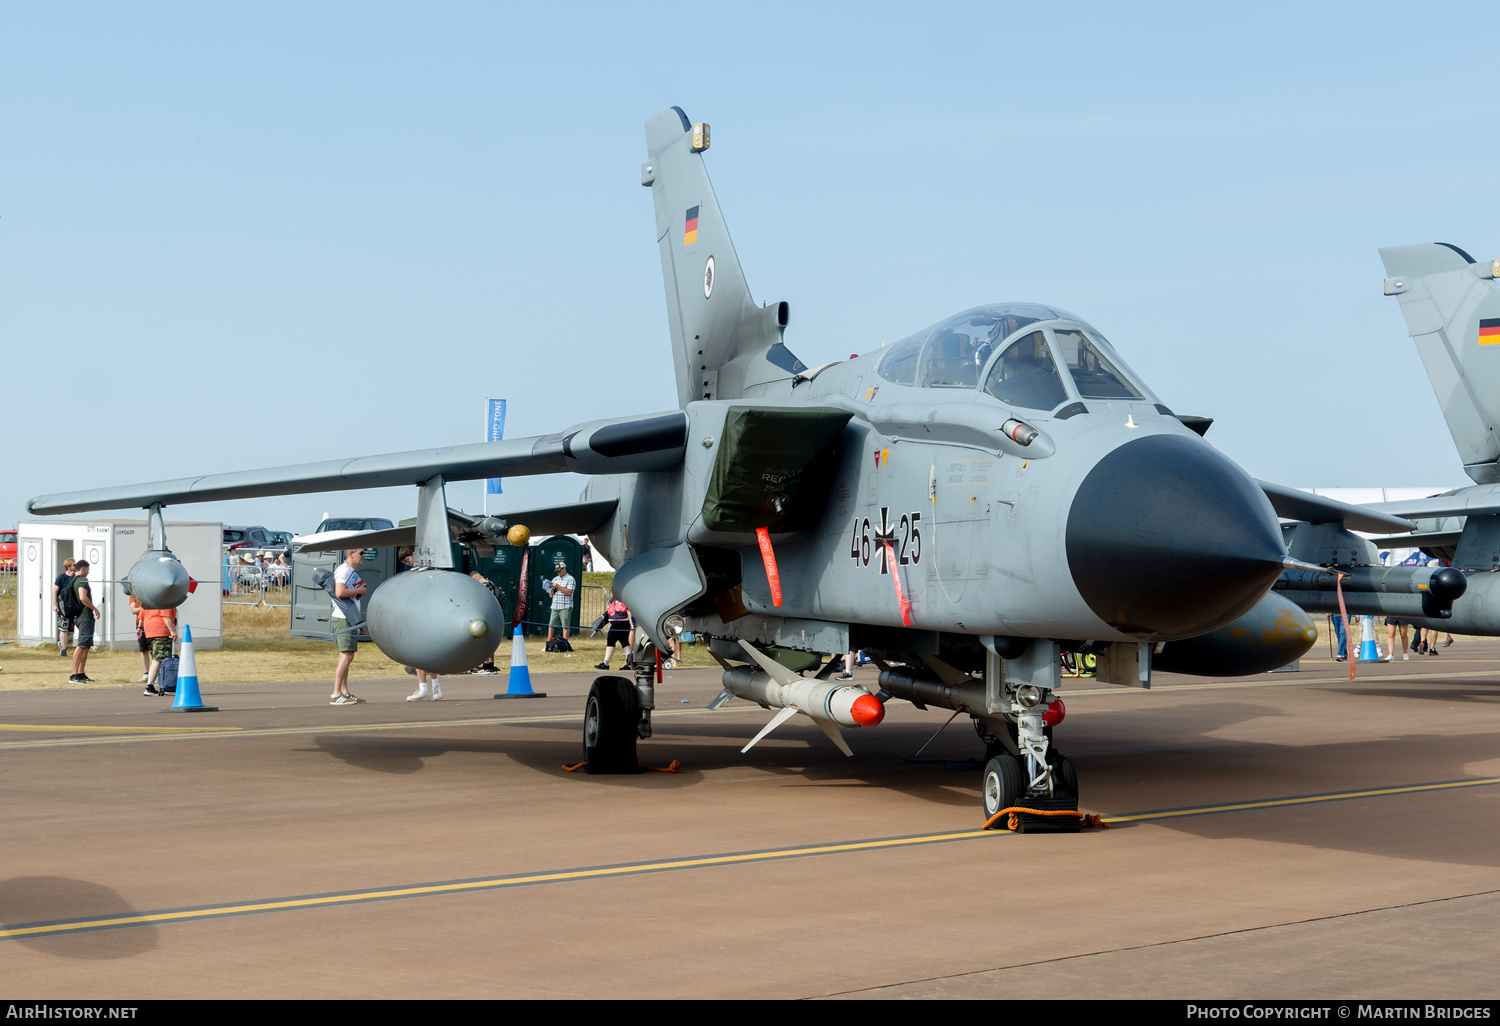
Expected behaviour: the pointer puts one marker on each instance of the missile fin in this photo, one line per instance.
(720, 700)
(836, 736)
(949, 675)
(834, 663)
(780, 674)
(776, 721)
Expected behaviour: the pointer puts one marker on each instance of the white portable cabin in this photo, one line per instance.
(111, 548)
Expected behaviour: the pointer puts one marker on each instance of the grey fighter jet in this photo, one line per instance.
(968, 505)
(1451, 304)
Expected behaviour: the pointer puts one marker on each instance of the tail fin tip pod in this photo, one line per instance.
(721, 341)
(1451, 304)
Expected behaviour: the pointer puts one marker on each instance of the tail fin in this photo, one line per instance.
(1452, 310)
(721, 341)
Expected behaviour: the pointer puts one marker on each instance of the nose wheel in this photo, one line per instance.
(1004, 786)
(1001, 788)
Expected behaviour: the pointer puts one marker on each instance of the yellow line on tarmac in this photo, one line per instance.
(1292, 681)
(638, 868)
(460, 886)
(112, 730)
(201, 733)
(1204, 810)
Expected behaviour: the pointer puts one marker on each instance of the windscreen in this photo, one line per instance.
(1093, 374)
(899, 364)
(1026, 375)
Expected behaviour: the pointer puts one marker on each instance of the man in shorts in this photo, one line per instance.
(348, 586)
(561, 588)
(160, 626)
(85, 623)
(64, 621)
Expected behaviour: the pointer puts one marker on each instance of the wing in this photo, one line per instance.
(1295, 504)
(571, 518)
(623, 446)
(1466, 502)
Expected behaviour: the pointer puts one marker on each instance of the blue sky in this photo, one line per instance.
(235, 236)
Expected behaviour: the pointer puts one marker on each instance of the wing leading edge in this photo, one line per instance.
(622, 446)
(1295, 504)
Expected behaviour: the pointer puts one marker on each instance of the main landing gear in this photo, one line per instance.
(618, 713)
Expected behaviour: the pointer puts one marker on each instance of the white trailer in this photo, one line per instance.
(111, 548)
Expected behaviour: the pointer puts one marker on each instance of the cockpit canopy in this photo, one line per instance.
(1015, 351)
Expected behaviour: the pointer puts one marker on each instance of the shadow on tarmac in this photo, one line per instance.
(29, 900)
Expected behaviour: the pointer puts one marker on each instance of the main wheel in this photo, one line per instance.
(1001, 787)
(609, 727)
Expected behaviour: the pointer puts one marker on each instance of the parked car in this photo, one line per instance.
(251, 538)
(8, 546)
(353, 524)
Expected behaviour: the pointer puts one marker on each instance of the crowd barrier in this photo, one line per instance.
(247, 585)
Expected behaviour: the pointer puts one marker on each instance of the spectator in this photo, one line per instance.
(488, 668)
(161, 629)
(347, 620)
(1392, 623)
(85, 623)
(621, 630)
(142, 642)
(561, 588)
(64, 621)
(424, 681)
(1337, 623)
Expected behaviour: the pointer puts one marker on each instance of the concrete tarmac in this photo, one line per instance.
(1283, 836)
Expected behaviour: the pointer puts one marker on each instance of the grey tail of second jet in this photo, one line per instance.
(721, 341)
(1452, 308)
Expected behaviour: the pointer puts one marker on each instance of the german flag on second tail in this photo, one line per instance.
(690, 231)
(1489, 331)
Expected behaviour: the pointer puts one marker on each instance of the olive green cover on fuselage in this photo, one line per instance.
(773, 468)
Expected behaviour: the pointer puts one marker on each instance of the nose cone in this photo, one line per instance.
(1168, 538)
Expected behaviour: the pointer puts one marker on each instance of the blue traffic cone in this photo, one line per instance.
(520, 672)
(1369, 652)
(188, 699)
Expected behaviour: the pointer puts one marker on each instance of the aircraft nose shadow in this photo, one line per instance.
(400, 755)
(33, 900)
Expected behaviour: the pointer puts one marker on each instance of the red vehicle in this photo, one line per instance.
(8, 547)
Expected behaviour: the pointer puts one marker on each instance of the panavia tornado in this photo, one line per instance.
(970, 505)
(1451, 304)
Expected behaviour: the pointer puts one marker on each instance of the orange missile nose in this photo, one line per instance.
(867, 710)
(1055, 713)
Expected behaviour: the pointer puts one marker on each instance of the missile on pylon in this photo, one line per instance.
(1409, 592)
(829, 704)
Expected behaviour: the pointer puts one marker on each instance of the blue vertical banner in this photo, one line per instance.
(494, 431)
